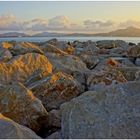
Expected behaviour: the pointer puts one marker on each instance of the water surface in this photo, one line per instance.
(42, 39)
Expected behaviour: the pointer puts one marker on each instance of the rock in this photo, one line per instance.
(21, 48)
(137, 62)
(19, 104)
(88, 48)
(54, 118)
(112, 62)
(62, 45)
(55, 135)
(89, 60)
(66, 63)
(134, 51)
(137, 76)
(110, 44)
(52, 49)
(109, 112)
(56, 89)
(12, 130)
(129, 72)
(5, 55)
(21, 67)
(66, 47)
(106, 76)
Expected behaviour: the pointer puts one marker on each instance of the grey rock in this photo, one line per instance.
(12, 130)
(107, 112)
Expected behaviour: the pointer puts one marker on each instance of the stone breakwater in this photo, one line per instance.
(58, 89)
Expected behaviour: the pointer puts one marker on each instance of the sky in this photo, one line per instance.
(68, 16)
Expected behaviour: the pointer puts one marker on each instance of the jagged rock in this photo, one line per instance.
(46, 47)
(106, 74)
(54, 118)
(66, 47)
(134, 51)
(88, 48)
(56, 89)
(62, 45)
(12, 130)
(66, 63)
(21, 48)
(110, 44)
(89, 60)
(5, 55)
(19, 104)
(21, 67)
(108, 112)
(137, 62)
(129, 72)
(55, 135)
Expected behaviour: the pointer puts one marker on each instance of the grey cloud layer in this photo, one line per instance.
(60, 23)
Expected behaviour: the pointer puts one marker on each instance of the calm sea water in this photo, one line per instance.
(42, 39)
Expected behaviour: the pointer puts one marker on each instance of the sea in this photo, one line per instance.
(71, 39)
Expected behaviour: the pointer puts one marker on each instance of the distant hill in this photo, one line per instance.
(14, 34)
(48, 34)
(128, 32)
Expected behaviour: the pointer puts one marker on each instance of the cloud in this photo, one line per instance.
(8, 22)
(128, 23)
(99, 26)
(59, 22)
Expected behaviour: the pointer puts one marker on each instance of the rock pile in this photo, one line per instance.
(58, 89)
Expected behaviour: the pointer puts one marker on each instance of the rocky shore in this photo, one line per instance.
(58, 89)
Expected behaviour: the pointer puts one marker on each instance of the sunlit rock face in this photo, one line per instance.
(66, 63)
(19, 104)
(50, 48)
(61, 45)
(21, 67)
(56, 89)
(106, 112)
(12, 130)
(5, 55)
(18, 48)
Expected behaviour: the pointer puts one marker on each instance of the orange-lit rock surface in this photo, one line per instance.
(56, 89)
(19, 104)
(21, 67)
(46, 47)
(66, 63)
(21, 48)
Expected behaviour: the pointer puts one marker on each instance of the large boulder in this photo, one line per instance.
(108, 112)
(56, 89)
(21, 67)
(134, 51)
(137, 62)
(19, 104)
(55, 135)
(54, 118)
(87, 47)
(18, 48)
(62, 45)
(5, 55)
(50, 48)
(12, 130)
(90, 60)
(110, 44)
(66, 63)
(130, 73)
(106, 75)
